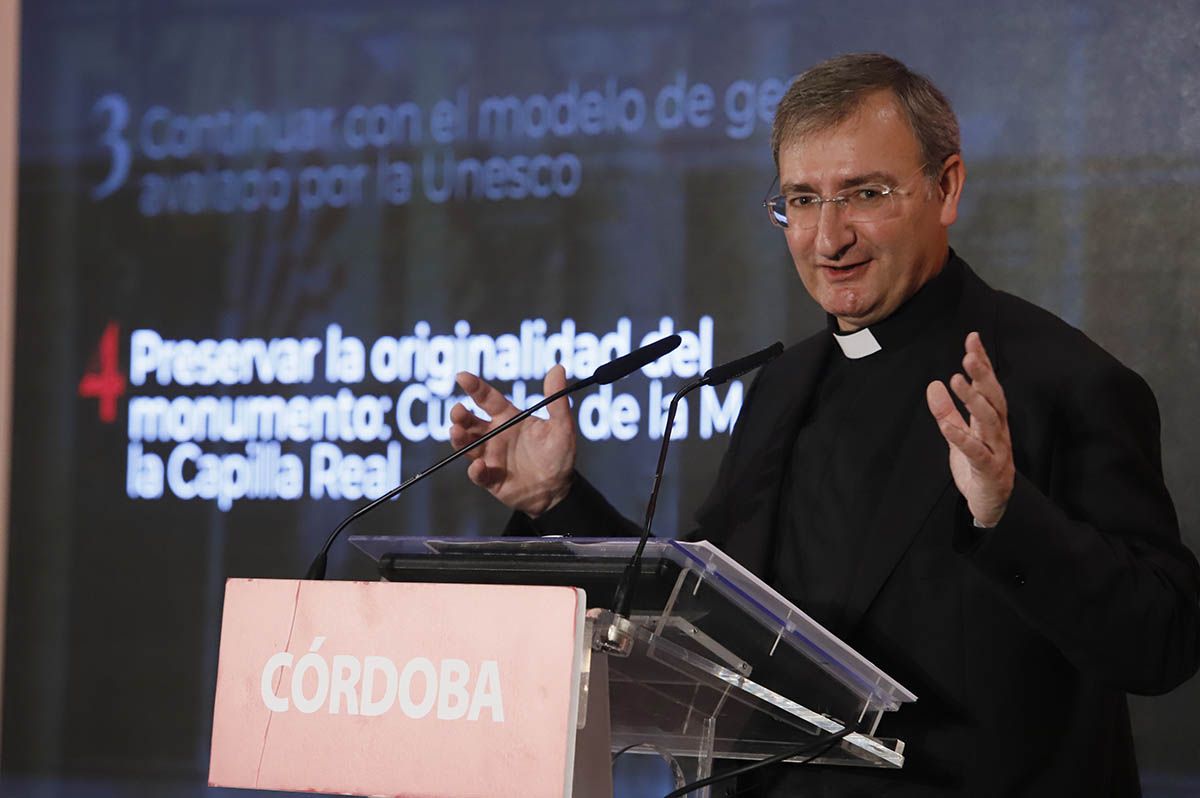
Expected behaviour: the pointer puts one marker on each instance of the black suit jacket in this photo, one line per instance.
(1020, 641)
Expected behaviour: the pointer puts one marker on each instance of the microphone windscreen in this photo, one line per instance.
(719, 375)
(627, 364)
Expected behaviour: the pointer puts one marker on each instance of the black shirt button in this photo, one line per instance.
(1018, 578)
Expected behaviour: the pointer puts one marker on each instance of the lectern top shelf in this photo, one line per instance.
(690, 593)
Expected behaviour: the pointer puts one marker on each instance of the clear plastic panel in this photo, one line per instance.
(721, 666)
(665, 696)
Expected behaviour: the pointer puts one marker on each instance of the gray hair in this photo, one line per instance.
(830, 92)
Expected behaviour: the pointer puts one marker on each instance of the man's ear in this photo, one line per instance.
(950, 186)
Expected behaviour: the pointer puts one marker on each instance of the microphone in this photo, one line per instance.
(608, 373)
(717, 375)
(615, 369)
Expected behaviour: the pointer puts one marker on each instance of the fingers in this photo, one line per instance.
(982, 395)
(464, 432)
(981, 460)
(488, 398)
(985, 421)
(986, 435)
(465, 426)
(951, 423)
(462, 417)
(484, 476)
(555, 381)
(974, 343)
(942, 406)
(978, 367)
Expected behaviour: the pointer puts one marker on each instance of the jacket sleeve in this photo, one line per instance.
(1093, 559)
(584, 512)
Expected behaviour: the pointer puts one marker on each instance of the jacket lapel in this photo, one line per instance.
(771, 430)
(922, 473)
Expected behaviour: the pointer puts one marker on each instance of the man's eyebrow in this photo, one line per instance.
(886, 178)
(797, 188)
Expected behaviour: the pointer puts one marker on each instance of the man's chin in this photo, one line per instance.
(851, 312)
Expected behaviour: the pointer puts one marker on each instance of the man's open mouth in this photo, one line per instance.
(847, 267)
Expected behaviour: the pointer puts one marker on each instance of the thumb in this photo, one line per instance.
(556, 380)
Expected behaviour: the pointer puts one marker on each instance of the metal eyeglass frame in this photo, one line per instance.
(842, 199)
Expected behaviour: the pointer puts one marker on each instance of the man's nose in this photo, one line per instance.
(834, 234)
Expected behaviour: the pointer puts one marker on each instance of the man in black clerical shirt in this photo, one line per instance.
(1018, 566)
(853, 425)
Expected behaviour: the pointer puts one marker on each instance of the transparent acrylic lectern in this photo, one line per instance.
(715, 664)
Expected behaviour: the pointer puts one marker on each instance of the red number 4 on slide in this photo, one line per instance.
(103, 379)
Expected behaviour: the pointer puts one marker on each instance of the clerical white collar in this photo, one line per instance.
(858, 344)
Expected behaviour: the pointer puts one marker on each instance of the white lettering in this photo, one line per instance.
(487, 693)
(717, 415)
(228, 362)
(346, 672)
(418, 709)
(274, 701)
(370, 705)
(354, 684)
(311, 661)
(452, 699)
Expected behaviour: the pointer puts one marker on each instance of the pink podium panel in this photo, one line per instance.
(377, 688)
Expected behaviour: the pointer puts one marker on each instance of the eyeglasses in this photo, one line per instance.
(870, 202)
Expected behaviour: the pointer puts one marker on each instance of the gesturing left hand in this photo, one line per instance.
(981, 458)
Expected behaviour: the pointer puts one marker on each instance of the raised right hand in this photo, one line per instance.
(529, 467)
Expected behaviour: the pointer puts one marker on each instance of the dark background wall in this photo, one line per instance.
(1081, 133)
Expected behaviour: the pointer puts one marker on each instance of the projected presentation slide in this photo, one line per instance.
(257, 239)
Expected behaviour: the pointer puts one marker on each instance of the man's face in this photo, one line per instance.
(861, 272)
